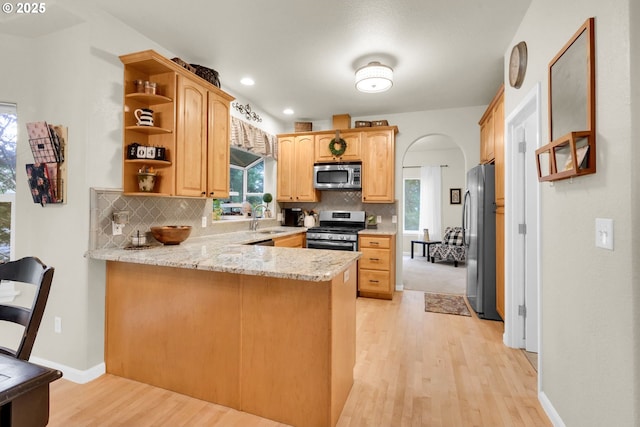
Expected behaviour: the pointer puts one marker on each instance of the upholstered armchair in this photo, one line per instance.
(452, 247)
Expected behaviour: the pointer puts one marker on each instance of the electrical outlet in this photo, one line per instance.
(204, 221)
(57, 324)
(379, 219)
(116, 229)
(394, 219)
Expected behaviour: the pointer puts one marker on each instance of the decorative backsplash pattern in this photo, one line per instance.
(348, 201)
(145, 212)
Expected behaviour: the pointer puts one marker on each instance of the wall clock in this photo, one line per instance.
(518, 64)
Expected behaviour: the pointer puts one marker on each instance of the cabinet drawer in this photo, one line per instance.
(375, 259)
(295, 241)
(380, 242)
(373, 281)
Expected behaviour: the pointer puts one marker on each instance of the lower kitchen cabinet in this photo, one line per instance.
(294, 241)
(376, 267)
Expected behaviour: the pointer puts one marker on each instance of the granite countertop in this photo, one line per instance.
(233, 253)
(387, 229)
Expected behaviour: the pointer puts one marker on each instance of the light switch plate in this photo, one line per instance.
(379, 219)
(604, 233)
(204, 221)
(394, 219)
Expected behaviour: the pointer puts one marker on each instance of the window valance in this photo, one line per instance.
(253, 139)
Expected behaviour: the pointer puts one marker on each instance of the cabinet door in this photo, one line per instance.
(498, 145)
(286, 164)
(191, 139)
(486, 140)
(303, 178)
(218, 148)
(378, 165)
(351, 154)
(500, 261)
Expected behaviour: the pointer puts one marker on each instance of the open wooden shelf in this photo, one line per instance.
(150, 99)
(573, 154)
(152, 162)
(150, 130)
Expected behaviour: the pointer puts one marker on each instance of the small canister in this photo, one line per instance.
(140, 85)
(132, 151)
(160, 153)
(150, 88)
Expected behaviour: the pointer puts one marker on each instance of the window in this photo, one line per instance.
(411, 204)
(8, 142)
(246, 180)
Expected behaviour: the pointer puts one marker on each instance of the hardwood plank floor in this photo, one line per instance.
(412, 369)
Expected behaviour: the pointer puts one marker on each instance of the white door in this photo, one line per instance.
(521, 217)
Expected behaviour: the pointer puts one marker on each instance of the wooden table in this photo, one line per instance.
(24, 392)
(425, 245)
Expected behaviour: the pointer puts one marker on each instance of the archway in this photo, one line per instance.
(432, 150)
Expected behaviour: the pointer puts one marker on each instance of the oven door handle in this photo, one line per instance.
(330, 243)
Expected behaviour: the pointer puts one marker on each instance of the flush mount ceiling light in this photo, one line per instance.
(374, 77)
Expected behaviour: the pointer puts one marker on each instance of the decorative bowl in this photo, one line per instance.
(171, 234)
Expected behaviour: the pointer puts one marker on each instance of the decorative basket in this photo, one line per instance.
(379, 123)
(208, 74)
(183, 64)
(362, 124)
(303, 126)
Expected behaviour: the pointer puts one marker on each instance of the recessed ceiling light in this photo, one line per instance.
(247, 81)
(288, 111)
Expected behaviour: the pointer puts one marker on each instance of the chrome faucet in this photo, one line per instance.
(253, 226)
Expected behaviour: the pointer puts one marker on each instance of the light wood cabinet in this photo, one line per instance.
(500, 261)
(191, 122)
(378, 166)
(218, 147)
(376, 267)
(202, 142)
(191, 139)
(295, 169)
(351, 154)
(293, 241)
(492, 128)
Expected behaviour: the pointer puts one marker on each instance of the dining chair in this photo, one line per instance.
(31, 271)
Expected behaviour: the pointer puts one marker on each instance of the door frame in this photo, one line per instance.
(516, 255)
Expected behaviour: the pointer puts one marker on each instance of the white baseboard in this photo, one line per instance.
(72, 374)
(551, 412)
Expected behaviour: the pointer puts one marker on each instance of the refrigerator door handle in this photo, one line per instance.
(465, 216)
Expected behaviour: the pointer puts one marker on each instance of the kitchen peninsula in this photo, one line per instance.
(265, 330)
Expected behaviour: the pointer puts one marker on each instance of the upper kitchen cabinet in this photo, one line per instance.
(190, 128)
(351, 153)
(295, 168)
(492, 128)
(378, 165)
(202, 142)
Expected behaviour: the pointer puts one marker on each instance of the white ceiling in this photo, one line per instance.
(303, 54)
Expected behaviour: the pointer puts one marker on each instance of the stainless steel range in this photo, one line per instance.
(337, 230)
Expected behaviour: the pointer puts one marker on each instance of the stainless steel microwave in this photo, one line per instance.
(337, 176)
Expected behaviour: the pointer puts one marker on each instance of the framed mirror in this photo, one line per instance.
(572, 110)
(572, 85)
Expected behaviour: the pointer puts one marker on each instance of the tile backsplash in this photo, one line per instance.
(145, 212)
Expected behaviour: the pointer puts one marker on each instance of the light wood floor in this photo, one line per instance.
(412, 369)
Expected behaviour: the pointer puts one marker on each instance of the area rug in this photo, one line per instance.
(445, 303)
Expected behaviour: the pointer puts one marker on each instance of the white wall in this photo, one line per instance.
(589, 356)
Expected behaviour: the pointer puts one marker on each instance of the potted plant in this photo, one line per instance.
(217, 209)
(267, 198)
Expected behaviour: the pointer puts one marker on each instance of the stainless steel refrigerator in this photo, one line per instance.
(479, 225)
